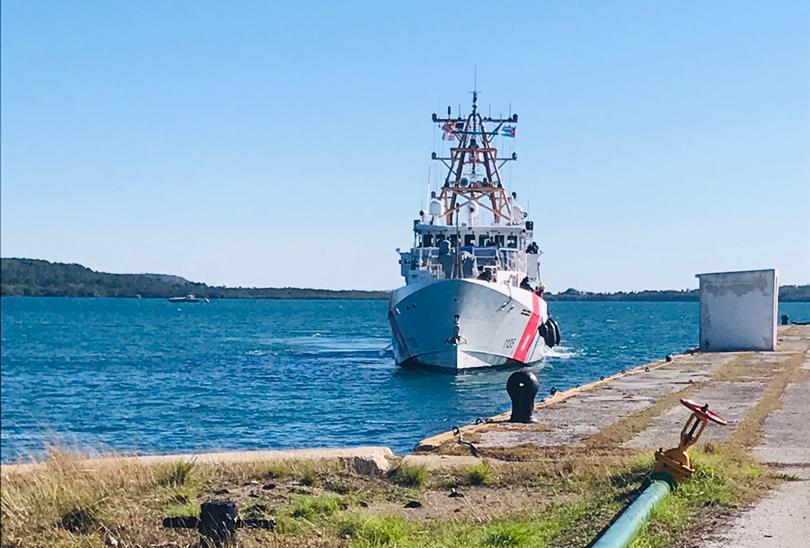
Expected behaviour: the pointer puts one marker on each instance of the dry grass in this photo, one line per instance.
(70, 501)
(67, 502)
(552, 471)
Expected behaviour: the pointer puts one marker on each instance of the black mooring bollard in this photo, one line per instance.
(785, 319)
(217, 525)
(522, 387)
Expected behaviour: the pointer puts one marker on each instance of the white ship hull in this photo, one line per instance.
(460, 324)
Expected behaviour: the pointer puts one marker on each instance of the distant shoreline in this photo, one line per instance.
(597, 298)
(39, 278)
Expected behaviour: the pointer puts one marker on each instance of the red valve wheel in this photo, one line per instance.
(703, 412)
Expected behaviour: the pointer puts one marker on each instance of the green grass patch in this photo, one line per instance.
(369, 530)
(572, 523)
(311, 473)
(286, 525)
(181, 501)
(723, 479)
(182, 494)
(410, 476)
(510, 534)
(577, 522)
(307, 475)
(177, 473)
(191, 509)
(254, 510)
(276, 470)
(309, 507)
(480, 474)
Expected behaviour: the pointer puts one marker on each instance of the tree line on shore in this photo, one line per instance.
(39, 278)
(787, 293)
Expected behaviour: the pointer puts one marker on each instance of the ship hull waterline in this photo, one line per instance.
(460, 324)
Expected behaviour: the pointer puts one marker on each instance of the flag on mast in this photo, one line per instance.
(507, 131)
(449, 130)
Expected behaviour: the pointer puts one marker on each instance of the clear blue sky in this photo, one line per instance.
(288, 143)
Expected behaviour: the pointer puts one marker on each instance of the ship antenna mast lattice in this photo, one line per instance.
(473, 167)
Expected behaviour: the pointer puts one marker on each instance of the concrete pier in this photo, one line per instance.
(639, 407)
(764, 395)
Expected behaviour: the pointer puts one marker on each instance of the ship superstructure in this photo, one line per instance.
(472, 296)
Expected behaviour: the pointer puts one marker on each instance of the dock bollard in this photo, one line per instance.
(522, 387)
(217, 524)
(785, 319)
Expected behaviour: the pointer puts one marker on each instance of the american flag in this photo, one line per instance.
(449, 128)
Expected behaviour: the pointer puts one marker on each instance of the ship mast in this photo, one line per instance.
(473, 167)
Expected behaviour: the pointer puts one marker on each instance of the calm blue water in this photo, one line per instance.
(150, 376)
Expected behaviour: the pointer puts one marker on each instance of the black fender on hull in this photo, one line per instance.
(550, 331)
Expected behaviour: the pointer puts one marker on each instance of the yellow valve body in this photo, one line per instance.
(675, 462)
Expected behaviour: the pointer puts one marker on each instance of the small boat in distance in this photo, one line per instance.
(188, 299)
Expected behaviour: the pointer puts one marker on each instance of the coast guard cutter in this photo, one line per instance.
(472, 296)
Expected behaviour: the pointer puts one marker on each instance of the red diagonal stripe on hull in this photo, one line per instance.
(530, 332)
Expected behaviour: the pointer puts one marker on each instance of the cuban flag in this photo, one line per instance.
(507, 131)
(449, 130)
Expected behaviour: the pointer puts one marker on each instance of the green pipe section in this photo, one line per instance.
(622, 532)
